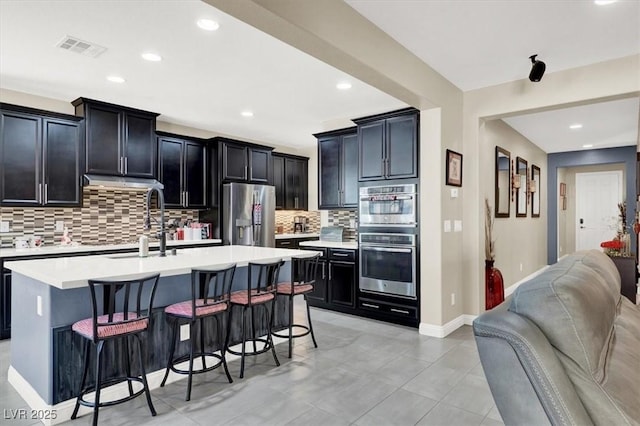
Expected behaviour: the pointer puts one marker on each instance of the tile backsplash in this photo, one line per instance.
(345, 219)
(285, 218)
(107, 217)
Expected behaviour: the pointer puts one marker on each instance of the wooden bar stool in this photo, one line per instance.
(260, 292)
(112, 324)
(210, 293)
(303, 277)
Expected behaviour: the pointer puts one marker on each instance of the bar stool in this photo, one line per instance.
(260, 291)
(210, 293)
(303, 276)
(113, 324)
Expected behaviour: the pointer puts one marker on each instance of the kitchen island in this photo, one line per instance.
(49, 295)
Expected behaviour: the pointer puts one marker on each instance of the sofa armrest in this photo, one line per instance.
(528, 382)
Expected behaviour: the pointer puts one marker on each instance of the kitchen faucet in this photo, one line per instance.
(147, 220)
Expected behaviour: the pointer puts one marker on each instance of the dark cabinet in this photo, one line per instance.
(41, 157)
(388, 145)
(320, 294)
(5, 304)
(290, 177)
(119, 140)
(337, 169)
(241, 162)
(627, 267)
(183, 171)
(342, 279)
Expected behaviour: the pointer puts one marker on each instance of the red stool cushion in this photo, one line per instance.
(85, 326)
(184, 309)
(242, 297)
(285, 288)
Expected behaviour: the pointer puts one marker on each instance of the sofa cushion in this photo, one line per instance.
(593, 331)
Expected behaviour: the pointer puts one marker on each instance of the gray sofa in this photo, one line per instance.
(565, 347)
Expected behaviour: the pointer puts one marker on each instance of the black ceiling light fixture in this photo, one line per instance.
(537, 69)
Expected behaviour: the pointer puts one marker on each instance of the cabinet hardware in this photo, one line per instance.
(329, 273)
(341, 254)
(39, 196)
(126, 165)
(295, 202)
(121, 165)
(400, 311)
(369, 305)
(323, 275)
(285, 243)
(46, 193)
(186, 198)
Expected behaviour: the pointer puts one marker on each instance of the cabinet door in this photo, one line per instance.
(20, 159)
(292, 183)
(259, 166)
(5, 304)
(402, 147)
(140, 146)
(234, 162)
(104, 135)
(289, 243)
(303, 184)
(279, 182)
(196, 175)
(342, 283)
(62, 153)
(214, 188)
(350, 171)
(371, 143)
(170, 171)
(329, 172)
(319, 292)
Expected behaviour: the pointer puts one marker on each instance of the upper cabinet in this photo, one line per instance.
(388, 145)
(290, 177)
(119, 140)
(182, 169)
(338, 169)
(40, 158)
(244, 162)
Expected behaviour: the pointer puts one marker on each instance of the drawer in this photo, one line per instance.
(388, 308)
(320, 249)
(341, 254)
(287, 243)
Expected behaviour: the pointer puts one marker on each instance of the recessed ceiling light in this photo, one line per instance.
(575, 126)
(246, 113)
(208, 24)
(343, 86)
(604, 2)
(152, 57)
(588, 145)
(115, 79)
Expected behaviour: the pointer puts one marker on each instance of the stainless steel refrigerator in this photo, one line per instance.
(248, 214)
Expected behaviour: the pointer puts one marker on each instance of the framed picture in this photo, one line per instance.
(564, 203)
(454, 168)
(563, 189)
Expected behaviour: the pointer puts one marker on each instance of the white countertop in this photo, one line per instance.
(351, 245)
(299, 235)
(58, 249)
(74, 272)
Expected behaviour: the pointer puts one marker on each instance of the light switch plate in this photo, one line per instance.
(457, 226)
(4, 226)
(447, 226)
(454, 192)
(59, 225)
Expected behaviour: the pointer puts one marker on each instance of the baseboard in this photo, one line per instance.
(442, 330)
(63, 410)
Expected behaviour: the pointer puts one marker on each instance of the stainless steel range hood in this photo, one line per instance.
(120, 182)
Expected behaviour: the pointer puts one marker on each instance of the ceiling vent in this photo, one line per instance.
(74, 44)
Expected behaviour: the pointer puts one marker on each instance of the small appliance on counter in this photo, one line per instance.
(332, 233)
(300, 224)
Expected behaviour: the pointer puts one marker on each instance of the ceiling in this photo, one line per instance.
(206, 79)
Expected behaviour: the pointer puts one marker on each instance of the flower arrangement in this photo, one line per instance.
(489, 242)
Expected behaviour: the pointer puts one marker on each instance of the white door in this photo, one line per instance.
(597, 198)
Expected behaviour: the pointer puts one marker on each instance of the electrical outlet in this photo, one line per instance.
(453, 299)
(521, 267)
(184, 332)
(39, 305)
(4, 226)
(59, 225)
(447, 226)
(457, 226)
(454, 192)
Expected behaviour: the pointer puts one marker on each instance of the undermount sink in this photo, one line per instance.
(132, 255)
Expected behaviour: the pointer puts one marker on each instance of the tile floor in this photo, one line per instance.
(364, 372)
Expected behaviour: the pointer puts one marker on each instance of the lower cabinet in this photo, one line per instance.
(5, 304)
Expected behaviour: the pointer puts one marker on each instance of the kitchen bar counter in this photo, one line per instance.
(70, 250)
(351, 245)
(49, 295)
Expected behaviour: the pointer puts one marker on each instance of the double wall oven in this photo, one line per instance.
(388, 222)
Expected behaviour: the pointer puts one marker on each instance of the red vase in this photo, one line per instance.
(493, 285)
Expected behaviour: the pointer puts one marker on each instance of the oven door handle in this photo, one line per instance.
(392, 250)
